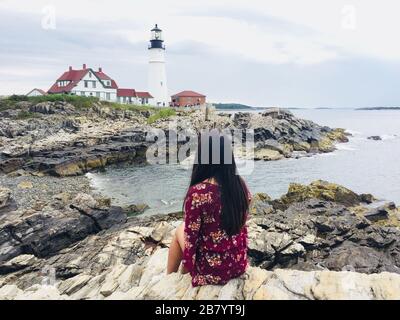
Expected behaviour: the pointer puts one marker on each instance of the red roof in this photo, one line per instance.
(102, 76)
(188, 93)
(143, 95)
(126, 93)
(75, 76)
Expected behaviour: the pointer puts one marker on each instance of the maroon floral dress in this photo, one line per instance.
(210, 254)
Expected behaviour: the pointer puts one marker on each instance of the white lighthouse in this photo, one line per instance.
(157, 75)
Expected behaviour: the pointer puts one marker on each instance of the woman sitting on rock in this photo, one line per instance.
(212, 241)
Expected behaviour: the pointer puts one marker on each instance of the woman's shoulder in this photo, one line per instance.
(202, 187)
(200, 195)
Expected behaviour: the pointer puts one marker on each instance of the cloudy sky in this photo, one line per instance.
(307, 53)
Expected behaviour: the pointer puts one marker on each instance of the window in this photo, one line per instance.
(124, 99)
(93, 84)
(91, 94)
(98, 94)
(90, 74)
(108, 96)
(82, 93)
(86, 83)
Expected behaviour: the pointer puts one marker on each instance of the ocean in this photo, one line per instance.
(363, 165)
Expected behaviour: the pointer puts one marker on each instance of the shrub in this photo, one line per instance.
(161, 114)
(79, 102)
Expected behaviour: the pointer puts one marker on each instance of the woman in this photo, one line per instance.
(212, 241)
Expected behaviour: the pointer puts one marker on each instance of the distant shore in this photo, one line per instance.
(379, 108)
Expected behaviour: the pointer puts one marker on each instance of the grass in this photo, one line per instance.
(77, 101)
(161, 114)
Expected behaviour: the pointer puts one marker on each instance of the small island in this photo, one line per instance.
(231, 106)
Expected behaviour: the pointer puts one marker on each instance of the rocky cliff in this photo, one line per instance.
(60, 139)
(319, 241)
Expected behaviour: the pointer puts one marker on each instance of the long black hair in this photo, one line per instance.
(215, 159)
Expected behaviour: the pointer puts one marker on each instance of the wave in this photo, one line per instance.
(354, 132)
(345, 147)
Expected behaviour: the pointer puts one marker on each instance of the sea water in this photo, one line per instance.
(363, 165)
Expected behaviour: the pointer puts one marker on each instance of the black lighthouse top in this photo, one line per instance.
(156, 40)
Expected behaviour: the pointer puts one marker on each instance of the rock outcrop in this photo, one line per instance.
(57, 138)
(316, 242)
(5, 195)
(56, 226)
(128, 283)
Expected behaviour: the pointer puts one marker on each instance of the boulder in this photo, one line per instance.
(267, 154)
(320, 190)
(5, 196)
(375, 138)
(376, 214)
(135, 209)
(59, 107)
(48, 231)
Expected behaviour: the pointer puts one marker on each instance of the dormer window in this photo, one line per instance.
(63, 83)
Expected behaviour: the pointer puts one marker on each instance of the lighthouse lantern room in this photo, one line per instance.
(157, 74)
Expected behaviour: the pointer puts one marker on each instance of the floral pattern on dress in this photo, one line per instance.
(199, 199)
(210, 254)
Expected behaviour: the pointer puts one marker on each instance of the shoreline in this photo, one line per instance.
(313, 231)
(61, 139)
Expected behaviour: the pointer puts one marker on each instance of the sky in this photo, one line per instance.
(286, 53)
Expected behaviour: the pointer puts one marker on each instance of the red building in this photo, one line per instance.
(188, 98)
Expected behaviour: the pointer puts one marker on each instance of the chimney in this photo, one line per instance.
(100, 69)
(84, 66)
(70, 68)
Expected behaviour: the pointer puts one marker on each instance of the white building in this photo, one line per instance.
(36, 92)
(157, 81)
(90, 83)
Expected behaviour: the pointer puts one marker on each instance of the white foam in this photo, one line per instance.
(345, 147)
(354, 132)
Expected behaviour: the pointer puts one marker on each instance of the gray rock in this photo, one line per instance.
(5, 195)
(377, 214)
(375, 138)
(47, 232)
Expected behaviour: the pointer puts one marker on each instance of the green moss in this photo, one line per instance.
(319, 190)
(26, 115)
(161, 114)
